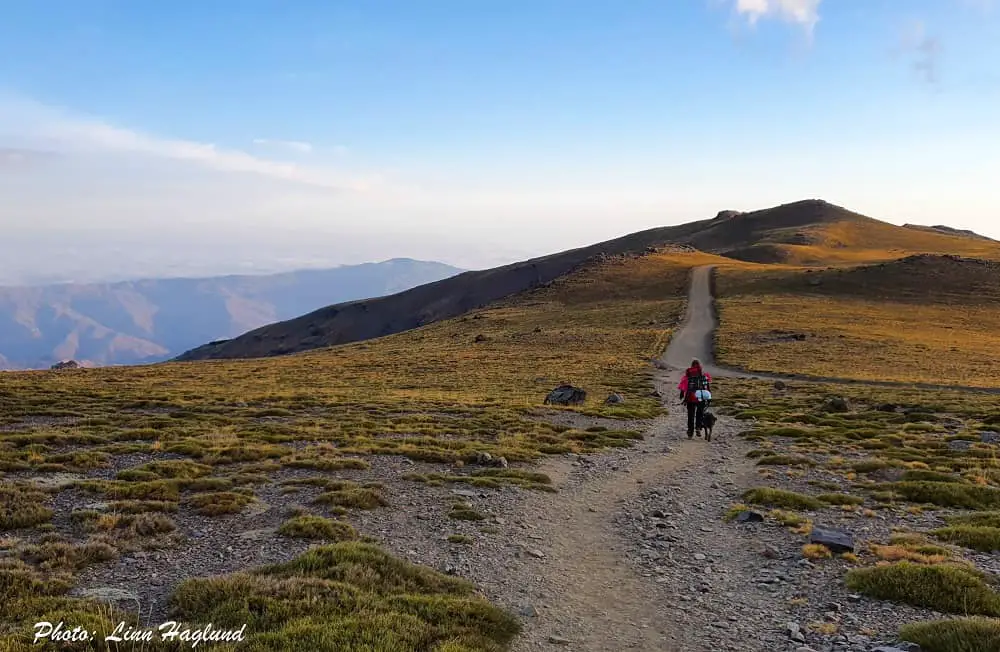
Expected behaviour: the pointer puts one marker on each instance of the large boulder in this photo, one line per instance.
(66, 364)
(566, 395)
(837, 541)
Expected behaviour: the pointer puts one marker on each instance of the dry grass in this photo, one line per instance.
(894, 329)
(438, 394)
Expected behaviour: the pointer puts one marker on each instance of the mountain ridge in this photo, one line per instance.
(810, 232)
(150, 320)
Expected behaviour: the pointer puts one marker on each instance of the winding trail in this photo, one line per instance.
(597, 601)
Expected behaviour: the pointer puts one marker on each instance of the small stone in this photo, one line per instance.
(537, 554)
(559, 640)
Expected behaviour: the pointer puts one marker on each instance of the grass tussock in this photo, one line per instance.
(22, 507)
(781, 499)
(465, 512)
(219, 503)
(949, 494)
(944, 588)
(353, 498)
(976, 634)
(349, 596)
(976, 537)
(977, 519)
(317, 527)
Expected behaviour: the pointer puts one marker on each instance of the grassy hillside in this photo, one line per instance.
(135, 459)
(933, 319)
(811, 232)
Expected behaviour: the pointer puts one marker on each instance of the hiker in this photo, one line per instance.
(695, 391)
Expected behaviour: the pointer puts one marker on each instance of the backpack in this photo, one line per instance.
(696, 382)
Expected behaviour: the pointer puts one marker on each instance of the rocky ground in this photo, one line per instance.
(631, 552)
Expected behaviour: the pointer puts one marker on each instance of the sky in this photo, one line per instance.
(189, 138)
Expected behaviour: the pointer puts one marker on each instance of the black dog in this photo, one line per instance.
(707, 423)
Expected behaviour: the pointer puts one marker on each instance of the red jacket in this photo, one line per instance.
(683, 385)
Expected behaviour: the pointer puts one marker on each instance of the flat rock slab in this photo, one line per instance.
(837, 541)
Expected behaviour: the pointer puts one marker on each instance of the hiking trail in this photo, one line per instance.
(598, 600)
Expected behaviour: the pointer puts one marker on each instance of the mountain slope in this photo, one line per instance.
(806, 232)
(151, 320)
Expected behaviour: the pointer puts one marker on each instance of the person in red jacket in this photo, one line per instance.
(695, 381)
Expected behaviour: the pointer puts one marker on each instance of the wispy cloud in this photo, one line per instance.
(293, 145)
(922, 49)
(60, 130)
(804, 13)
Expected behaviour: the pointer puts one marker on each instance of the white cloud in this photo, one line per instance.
(293, 145)
(62, 131)
(800, 12)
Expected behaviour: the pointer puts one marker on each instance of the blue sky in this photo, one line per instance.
(476, 132)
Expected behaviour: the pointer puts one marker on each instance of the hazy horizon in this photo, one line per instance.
(187, 139)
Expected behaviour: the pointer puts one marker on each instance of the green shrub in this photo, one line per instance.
(308, 526)
(948, 494)
(944, 588)
(981, 538)
(919, 475)
(979, 519)
(781, 498)
(21, 507)
(359, 498)
(957, 635)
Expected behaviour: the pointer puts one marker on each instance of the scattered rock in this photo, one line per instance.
(528, 611)
(566, 395)
(614, 399)
(959, 445)
(749, 517)
(780, 385)
(480, 338)
(989, 437)
(837, 404)
(559, 640)
(110, 594)
(837, 541)
(65, 364)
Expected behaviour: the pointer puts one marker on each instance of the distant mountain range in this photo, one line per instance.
(153, 320)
